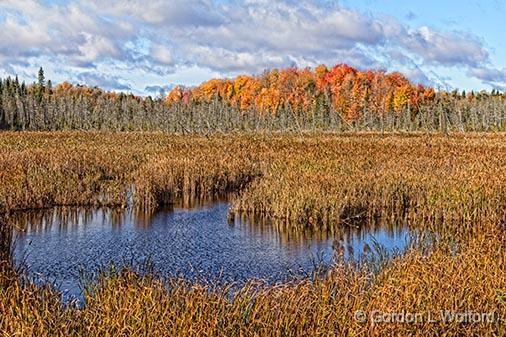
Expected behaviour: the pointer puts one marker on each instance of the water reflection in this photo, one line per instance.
(355, 239)
(195, 243)
(347, 232)
(5, 245)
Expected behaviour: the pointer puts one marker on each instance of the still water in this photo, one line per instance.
(200, 243)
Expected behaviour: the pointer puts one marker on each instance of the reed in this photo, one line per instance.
(318, 180)
(311, 181)
(333, 181)
(201, 168)
(453, 186)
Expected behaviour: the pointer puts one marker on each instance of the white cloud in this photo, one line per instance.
(159, 89)
(287, 29)
(162, 12)
(496, 78)
(442, 47)
(489, 74)
(222, 59)
(226, 36)
(161, 54)
(105, 81)
(95, 47)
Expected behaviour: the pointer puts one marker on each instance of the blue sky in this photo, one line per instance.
(145, 46)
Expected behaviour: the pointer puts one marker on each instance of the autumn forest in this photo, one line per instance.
(340, 98)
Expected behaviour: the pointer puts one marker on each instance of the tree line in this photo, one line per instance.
(339, 99)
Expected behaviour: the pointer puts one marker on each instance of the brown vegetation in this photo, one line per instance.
(454, 186)
(328, 181)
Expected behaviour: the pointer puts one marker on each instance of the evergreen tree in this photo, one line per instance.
(41, 78)
(40, 86)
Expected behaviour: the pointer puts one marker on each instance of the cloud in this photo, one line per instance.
(443, 48)
(104, 81)
(152, 39)
(262, 34)
(158, 89)
(489, 74)
(161, 54)
(291, 28)
(31, 28)
(405, 65)
(95, 47)
(162, 13)
(226, 60)
(496, 78)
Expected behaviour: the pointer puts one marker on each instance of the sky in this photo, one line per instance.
(148, 46)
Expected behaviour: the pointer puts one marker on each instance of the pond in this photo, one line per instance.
(199, 243)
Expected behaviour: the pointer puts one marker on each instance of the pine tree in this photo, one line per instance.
(40, 85)
(41, 78)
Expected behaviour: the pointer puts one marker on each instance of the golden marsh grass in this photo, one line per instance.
(454, 186)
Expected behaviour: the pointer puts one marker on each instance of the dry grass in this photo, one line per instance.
(455, 186)
(329, 181)
(39, 170)
(198, 169)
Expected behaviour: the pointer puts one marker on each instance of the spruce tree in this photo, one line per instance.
(40, 85)
(41, 78)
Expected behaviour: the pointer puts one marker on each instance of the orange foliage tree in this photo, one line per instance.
(350, 92)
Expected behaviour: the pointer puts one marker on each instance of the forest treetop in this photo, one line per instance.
(338, 98)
